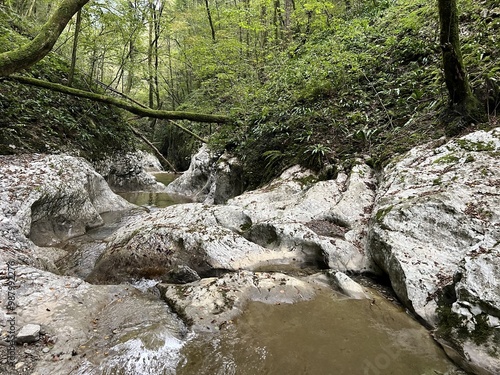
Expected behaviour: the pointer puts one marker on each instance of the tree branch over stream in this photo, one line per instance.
(132, 108)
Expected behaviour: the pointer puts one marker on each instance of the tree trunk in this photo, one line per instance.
(132, 108)
(150, 54)
(210, 20)
(457, 83)
(75, 47)
(35, 50)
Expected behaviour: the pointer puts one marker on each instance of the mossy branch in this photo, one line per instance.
(132, 108)
(32, 52)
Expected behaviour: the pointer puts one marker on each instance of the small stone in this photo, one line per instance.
(28, 352)
(28, 334)
(46, 350)
(349, 287)
(19, 365)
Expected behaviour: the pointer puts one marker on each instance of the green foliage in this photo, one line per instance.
(317, 155)
(321, 82)
(38, 120)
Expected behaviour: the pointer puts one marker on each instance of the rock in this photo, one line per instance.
(326, 220)
(129, 172)
(46, 199)
(349, 287)
(436, 230)
(82, 316)
(203, 238)
(210, 179)
(19, 365)
(28, 334)
(208, 304)
(264, 229)
(226, 180)
(183, 275)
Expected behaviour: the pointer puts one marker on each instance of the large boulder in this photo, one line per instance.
(210, 303)
(325, 219)
(200, 237)
(130, 171)
(46, 199)
(436, 232)
(210, 179)
(295, 222)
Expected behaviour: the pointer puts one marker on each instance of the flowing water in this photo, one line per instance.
(327, 335)
(83, 251)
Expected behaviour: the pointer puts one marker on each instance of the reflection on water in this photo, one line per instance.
(144, 198)
(165, 177)
(322, 336)
(160, 200)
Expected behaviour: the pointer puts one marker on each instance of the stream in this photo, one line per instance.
(329, 334)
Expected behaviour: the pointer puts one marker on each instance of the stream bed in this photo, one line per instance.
(329, 334)
(326, 335)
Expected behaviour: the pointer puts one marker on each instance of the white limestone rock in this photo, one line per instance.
(46, 199)
(28, 334)
(349, 287)
(201, 237)
(436, 233)
(327, 218)
(208, 304)
(210, 179)
(130, 172)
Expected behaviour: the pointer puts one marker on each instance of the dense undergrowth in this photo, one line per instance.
(368, 86)
(39, 120)
(365, 84)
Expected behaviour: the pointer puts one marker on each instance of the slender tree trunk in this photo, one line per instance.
(275, 20)
(150, 54)
(263, 20)
(31, 9)
(210, 20)
(130, 71)
(75, 47)
(171, 74)
(457, 83)
(157, 31)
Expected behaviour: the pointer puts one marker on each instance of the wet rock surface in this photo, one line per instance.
(46, 199)
(436, 234)
(88, 328)
(209, 304)
(432, 226)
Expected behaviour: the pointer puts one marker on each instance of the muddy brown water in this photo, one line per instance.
(156, 199)
(327, 335)
(322, 336)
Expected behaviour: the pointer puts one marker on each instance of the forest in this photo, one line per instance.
(276, 82)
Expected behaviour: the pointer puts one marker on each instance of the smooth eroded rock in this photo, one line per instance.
(436, 233)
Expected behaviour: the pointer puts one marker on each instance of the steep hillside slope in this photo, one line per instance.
(38, 120)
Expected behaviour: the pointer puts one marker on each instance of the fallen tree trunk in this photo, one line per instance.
(159, 155)
(132, 108)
